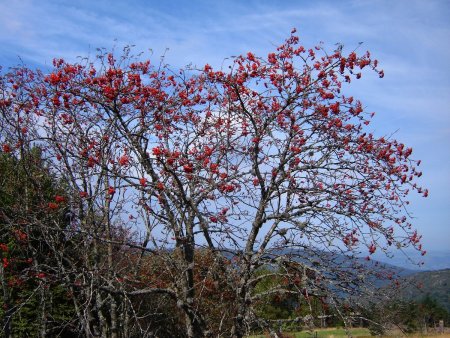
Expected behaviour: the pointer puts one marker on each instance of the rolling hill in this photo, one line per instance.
(435, 284)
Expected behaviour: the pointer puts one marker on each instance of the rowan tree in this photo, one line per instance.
(266, 163)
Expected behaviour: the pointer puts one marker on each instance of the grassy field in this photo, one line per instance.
(325, 333)
(341, 333)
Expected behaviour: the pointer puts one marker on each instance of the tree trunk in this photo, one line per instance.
(113, 314)
(43, 328)
(243, 300)
(193, 329)
(238, 329)
(195, 326)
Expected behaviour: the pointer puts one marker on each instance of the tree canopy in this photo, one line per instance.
(178, 181)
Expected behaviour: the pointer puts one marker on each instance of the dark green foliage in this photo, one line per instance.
(273, 307)
(435, 284)
(32, 300)
(288, 309)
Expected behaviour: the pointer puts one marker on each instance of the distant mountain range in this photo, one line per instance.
(433, 260)
(417, 280)
(433, 276)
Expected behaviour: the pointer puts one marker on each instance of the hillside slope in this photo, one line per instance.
(436, 284)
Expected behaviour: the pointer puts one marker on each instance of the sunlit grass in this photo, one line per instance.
(341, 333)
(325, 333)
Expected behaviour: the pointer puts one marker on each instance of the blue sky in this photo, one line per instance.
(409, 38)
